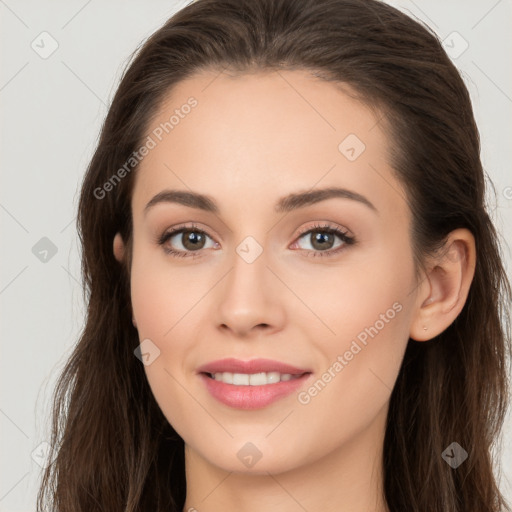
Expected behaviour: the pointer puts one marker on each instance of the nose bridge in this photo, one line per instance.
(249, 270)
(248, 295)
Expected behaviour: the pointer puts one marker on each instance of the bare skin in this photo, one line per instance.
(249, 141)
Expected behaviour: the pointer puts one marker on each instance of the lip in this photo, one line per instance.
(251, 397)
(253, 366)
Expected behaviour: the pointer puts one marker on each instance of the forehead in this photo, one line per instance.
(267, 132)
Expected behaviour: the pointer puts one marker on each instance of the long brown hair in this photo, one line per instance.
(113, 449)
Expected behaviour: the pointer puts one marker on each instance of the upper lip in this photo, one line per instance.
(253, 366)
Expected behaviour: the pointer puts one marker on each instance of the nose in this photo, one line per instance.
(251, 299)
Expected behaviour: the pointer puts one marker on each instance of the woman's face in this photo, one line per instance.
(256, 280)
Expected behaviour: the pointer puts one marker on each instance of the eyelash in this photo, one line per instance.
(326, 228)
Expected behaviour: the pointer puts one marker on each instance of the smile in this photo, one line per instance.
(252, 391)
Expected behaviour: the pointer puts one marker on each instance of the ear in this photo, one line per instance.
(444, 289)
(118, 247)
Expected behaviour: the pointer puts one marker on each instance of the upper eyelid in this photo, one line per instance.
(319, 225)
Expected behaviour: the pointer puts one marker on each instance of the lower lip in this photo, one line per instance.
(252, 397)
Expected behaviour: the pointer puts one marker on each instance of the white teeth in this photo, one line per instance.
(240, 379)
(275, 377)
(252, 379)
(257, 379)
(226, 377)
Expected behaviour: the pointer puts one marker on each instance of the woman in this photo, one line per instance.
(296, 299)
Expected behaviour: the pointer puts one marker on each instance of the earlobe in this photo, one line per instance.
(118, 247)
(445, 288)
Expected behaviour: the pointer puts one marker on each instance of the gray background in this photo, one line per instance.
(52, 109)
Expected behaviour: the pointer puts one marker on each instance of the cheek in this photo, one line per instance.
(356, 383)
(368, 313)
(162, 295)
(363, 292)
(360, 363)
(161, 300)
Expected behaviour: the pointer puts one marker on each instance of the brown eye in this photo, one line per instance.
(183, 241)
(192, 240)
(322, 239)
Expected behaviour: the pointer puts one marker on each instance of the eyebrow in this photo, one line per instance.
(287, 203)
